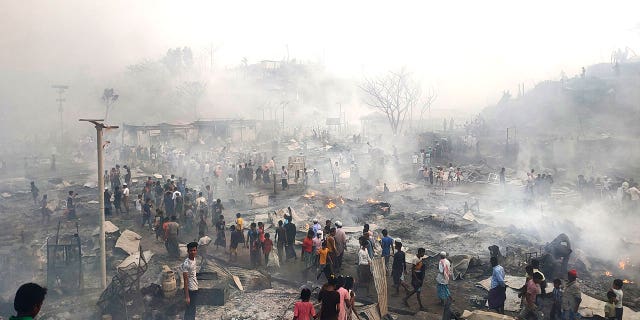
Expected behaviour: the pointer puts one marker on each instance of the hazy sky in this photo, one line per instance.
(469, 51)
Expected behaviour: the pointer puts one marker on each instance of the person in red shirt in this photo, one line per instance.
(307, 250)
(303, 309)
(267, 245)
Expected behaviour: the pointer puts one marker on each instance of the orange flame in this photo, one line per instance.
(627, 281)
(621, 264)
(608, 274)
(331, 205)
(370, 200)
(310, 195)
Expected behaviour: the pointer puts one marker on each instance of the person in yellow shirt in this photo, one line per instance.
(325, 266)
(239, 221)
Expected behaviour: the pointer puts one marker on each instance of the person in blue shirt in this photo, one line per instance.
(497, 292)
(387, 247)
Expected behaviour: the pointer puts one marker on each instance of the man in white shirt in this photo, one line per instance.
(444, 274)
(189, 270)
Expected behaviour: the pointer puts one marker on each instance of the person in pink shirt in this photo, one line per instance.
(345, 298)
(303, 309)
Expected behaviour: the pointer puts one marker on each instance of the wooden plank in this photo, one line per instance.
(238, 283)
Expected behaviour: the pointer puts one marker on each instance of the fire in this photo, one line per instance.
(627, 281)
(608, 274)
(621, 264)
(331, 205)
(341, 200)
(310, 195)
(370, 200)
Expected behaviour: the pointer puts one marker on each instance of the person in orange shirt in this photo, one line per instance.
(324, 261)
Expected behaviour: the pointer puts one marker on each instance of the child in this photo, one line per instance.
(267, 245)
(610, 306)
(239, 221)
(303, 310)
(556, 308)
(139, 204)
(324, 267)
(617, 289)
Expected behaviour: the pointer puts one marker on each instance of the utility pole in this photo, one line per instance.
(103, 255)
(60, 88)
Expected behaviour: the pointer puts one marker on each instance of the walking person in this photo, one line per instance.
(399, 268)
(417, 277)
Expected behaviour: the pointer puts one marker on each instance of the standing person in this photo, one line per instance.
(617, 289)
(442, 279)
(610, 306)
(189, 269)
(307, 251)
(330, 300)
(281, 239)
(71, 207)
(221, 239)
(316, 227)
(34, 192)
(146, 213)
(169, 205)
(203, 243)
(267, 246)
(571, 296)
(364, 268)
(303, 309)
(125, 197)
(341, 244)
(138, 204)
(202, 226)
(324, 262)
(236, 239)
(28, 301)
(345, 298)
(317, 245)
(503, 179)
(290, 231)
(171, 238)
(216, 210)
(386, 243)
(117, 200)
(399, 268)
(417, 277)
(284, 177)
(239, 222)
(331, 245)
(530, 309)
(498, 289)
(556, 294)
(107, 202)
(253, 244)
(327, 228)
(127, 175)
(46, 213)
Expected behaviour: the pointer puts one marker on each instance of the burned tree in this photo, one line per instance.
(109, 97)
(395, 95)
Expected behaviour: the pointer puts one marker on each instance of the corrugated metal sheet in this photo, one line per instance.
(380, 279)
